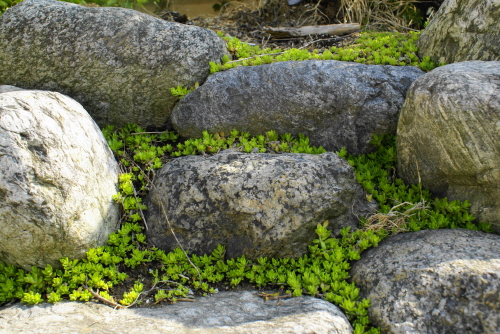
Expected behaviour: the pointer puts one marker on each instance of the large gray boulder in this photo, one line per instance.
(225, 312)
(462, 30)
(118, 63)
(434, 281)
(254, 204)
(57, 179)
(334, 103)
(448, 135)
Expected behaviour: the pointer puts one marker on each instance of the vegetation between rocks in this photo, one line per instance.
(153, 277)
(373, 48)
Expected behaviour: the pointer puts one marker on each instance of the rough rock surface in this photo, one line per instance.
(448, 135)
(434, 281)
(118, 63)
(254, 204)
(57, 179)
(334, 103)
(225, 312)
(462, 30)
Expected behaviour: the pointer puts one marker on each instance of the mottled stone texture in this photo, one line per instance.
(254, 204)
(463, 30)
(118, 63)
(434, 281)
(57, 179)
(225, 312)
(334, 103)
(448, 135)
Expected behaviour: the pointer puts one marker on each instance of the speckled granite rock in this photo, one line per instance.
(448, 135)
(434, 281)
(57, 179)
(334, 103)
(118, 63)
(226, 312)
(254, 204)
(462, 30)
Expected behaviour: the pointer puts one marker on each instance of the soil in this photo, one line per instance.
(239, 20)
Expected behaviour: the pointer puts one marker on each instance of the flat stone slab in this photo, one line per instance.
(225, 312)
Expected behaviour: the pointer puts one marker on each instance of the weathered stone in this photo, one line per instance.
(462, 30)
(225, 312)
(448, 135)
(57, 179)
(8, 88)
(118, 63)
(254, 204)
(434, 281)
(334, 103)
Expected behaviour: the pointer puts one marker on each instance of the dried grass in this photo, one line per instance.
(377, 14)
(394, 221)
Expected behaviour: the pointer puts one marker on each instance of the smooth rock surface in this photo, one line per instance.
(225, 312)
(254, 204)
(433, 281)
(448, 135)
(8, 88)
(57, 179)
(462, 30)
(118, 63)
(334, 103)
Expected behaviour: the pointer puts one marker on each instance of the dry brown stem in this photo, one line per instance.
(394, 221)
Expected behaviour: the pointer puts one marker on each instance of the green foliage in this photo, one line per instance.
(376, 172)
(180, 91)
(374, 48)
(322, 272)
(6, 4)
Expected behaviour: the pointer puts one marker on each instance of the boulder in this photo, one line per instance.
(57, 179)
(254, 204)
(448, 135)
(434, 281)
(462, 30)
(334, 103)
(225, 312)
(118, 63)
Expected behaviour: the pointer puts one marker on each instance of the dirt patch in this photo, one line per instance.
(248, 24)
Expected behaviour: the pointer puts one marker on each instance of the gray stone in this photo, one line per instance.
(118, 63)
(57, 179)
(225, 312)
(462, 30)
(334, 103)
(448, 135)
(8, 88)
(434, 281)
(254, 204)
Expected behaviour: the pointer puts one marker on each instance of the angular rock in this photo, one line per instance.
(254, 204)
(462, 30)
(434, 281)
(334, 103)
(225, 312)
(118, 63)
(448, 135)
(57, 179)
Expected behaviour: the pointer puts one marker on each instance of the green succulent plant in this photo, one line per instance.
(323, 272)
